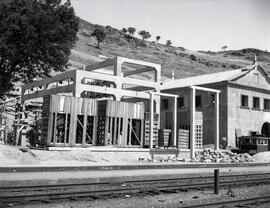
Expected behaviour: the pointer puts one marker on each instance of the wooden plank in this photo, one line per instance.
(142, 130)
(111, 128)
(119, 129)
(54, 127)
(95, 131)
(115, 136)
(107, 142)
(66, 128)
(129, 136)
(84, 129)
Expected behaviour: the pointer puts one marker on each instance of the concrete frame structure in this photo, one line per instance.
(222, 85)
(152, 114)
(192, 117)
(75, 81)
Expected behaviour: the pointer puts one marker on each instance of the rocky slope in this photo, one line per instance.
(182, 61)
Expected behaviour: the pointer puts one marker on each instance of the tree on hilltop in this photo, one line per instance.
(36, 37)
(100, 35)
(144, 34)
(124, 30)
(224, 48)
(168, 42)
(158, 38)
(131, 30)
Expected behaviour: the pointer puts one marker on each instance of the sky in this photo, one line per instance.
(192, 24)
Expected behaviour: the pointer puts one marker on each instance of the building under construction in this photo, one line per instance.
(122, 102)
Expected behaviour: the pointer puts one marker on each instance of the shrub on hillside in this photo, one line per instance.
(193, 57)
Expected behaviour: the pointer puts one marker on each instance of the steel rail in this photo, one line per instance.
(60, 191)
(221, 203)
(139, 181)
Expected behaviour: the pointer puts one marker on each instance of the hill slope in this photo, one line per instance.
(184, 62)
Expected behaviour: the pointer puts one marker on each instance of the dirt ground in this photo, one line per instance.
(13, 156)
(162, 200)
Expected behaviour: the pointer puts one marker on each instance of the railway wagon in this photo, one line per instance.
(254, 144)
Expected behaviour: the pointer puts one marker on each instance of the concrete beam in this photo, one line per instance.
(116, 79)
(138, 62)
(138, 71)
(114, 91)
(99, 65)
(43, 82)
(205, 89)
(53, 91)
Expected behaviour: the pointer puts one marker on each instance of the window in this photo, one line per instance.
(256, 102)
(198, 101)
(266, 104)
(180, 102)
(165, 104)
(244, 101)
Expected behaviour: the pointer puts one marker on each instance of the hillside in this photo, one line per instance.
(184, 62)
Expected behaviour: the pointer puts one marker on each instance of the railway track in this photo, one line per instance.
(246, 202)
(22, 194)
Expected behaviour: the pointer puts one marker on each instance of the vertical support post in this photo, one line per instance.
(192, 122)
(175, 122)
(217, 121)
(151, 121)
(129, 131)
(117, 139)
(142, 131)
(73, 122)
(118, 66)
(119, 129)
(55, 128)
(66, 129)
(94, 141)
(216, 181)
(77, 84)
(84, 129)
(50, 127)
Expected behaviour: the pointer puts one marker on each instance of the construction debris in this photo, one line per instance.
(209, 155)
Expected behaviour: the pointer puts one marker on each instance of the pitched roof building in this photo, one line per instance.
(244, 103)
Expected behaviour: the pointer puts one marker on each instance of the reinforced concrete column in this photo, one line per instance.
(77, 84)
(175, 122)
(151, 110)
(217, 121)
(192, 122)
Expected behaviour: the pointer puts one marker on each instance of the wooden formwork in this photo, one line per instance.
(71, 121)
(120, 123)
(68, 121)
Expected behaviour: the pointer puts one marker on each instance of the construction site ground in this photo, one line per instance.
(40, 167)
(12, 156)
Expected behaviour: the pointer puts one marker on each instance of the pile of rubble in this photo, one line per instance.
(209, 155)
